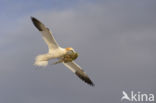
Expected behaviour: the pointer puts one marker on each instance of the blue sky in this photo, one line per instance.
(115, 40)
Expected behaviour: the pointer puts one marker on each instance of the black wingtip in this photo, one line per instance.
(85, 78)
(37, 23)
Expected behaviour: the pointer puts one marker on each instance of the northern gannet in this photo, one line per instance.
(64, 55)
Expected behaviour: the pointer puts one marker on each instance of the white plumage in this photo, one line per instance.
(65, 55)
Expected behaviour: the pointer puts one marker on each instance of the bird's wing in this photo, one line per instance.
(79, 72)
(46, 34)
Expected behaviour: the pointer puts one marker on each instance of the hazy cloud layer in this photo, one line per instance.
(115, 40)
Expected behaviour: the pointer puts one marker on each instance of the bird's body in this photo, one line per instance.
(42, 60)
(64, 55)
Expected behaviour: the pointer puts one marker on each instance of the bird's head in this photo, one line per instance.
(72, 53)
(69, 48)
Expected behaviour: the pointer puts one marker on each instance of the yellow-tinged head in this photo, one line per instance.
(69, 48)
(71, 53)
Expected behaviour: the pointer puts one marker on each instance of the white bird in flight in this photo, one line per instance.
(64, 55)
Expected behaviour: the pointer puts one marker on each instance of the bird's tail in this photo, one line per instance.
(42, 60)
